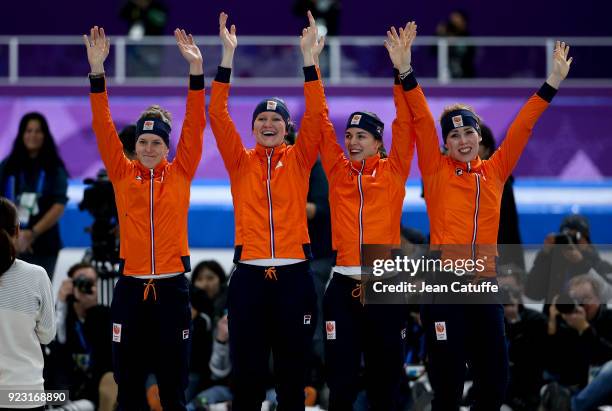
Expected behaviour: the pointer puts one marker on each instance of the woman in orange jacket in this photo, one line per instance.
(271, 298)
(150, 307)
(463, 195)
(366, 196)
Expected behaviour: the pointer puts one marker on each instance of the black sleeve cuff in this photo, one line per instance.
(547, 92)
(310, 73)
(409, 82)
(196, 82)
(223, 74)
(396, 79)
(97, 84)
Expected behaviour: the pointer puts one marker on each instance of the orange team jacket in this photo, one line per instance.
(269, 185)
(152, 203)
(463, 199)
(366, 197)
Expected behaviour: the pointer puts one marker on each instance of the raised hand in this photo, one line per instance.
(308, 40)
(228, 39)
(399, 46)
(189, 50)
(98, 47)
(561, 64)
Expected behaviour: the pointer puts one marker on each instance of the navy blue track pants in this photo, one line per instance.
(471, 334)
(151, 336)
(353, 330)
(271, 309)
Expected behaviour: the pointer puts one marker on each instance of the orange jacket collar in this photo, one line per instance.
(263, 151)
(156, 171)
(474, 164)
(370, 164)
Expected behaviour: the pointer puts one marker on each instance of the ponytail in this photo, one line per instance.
(8, 230)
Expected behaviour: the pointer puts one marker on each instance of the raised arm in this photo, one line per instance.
(109, 145)
(427, 141)
(403, 136)
(507, 155)
(307, 144)
(227, 137)
(189, 149)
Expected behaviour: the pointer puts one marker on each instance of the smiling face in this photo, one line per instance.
(150, 150)
(360, 144)
(269, 129)
(462, 143)
(33, 137)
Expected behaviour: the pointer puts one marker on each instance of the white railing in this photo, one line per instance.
(335, 59)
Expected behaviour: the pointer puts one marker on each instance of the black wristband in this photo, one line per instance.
(409, 82)
(310, 73)
(396, 79)
(223, 74)
(97, 83)
(547, 92)
(196, 82)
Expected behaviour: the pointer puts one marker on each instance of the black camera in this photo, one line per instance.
(84, 284)
(99, 201)
(566, 304)
(567, 237)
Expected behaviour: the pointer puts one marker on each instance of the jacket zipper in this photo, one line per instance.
(476, 210)
(360, 187)
(268, 186)
(151, 222)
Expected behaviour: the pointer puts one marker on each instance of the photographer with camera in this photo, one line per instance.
(579, 333)
(82, 353)
(565, 255)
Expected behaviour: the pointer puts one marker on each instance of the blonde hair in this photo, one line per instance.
(156, 111)
(460, 106)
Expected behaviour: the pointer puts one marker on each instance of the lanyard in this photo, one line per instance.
(11, 189)
(79, 330)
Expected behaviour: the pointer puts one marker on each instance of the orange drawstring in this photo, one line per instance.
(148, 286)
(271, 274)
(358, 292)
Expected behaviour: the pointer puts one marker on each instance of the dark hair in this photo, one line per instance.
(76, 267)
(213, 266)
(8, 229)
(128, 138)
(488, 141)
(48, 157)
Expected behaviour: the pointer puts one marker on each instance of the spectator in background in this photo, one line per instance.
(34, 177)
(26, 312)
(508, 237)
(81, 356)
(460, 57)
(209, 277)
(566, 254)
(208, 304)
(145, 18)
(579, 333)
(526, 338)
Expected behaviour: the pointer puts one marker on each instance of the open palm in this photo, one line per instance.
(98, 47)
(561, 62)
(187, 46)
(228, 37)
